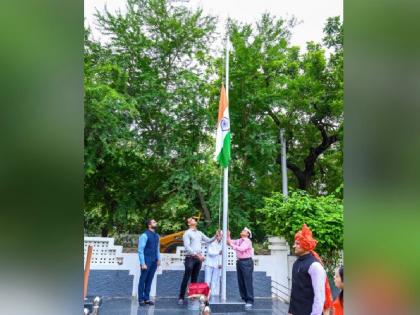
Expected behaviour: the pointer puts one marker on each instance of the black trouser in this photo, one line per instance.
(192, 269)
(244, 269)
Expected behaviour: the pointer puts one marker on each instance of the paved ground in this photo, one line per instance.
(168, 306)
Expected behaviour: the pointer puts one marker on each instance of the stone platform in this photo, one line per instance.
(169, 306)
(230, 306)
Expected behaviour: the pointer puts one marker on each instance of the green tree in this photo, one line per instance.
(274, 86)
(155, 61)
(315, 98)
(109, 114)
(322, 214)
(151, 101)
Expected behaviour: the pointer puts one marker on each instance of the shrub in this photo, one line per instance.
(322, 214)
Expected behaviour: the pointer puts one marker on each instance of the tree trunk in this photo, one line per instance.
(110, 206)
(304, 176)
(204, 210)
(104, 231)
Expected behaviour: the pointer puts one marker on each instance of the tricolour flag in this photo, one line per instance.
(222, 154)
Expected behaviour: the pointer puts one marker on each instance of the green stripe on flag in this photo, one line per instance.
(224, 155)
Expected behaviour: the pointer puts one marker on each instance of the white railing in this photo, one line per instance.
(104, 251)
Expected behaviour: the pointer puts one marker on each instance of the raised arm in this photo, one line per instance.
(246, 245)
(207, 239)
(231, 241)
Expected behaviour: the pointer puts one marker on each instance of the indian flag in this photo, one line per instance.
(222, 154)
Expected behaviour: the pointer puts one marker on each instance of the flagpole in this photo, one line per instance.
(283, 163)
(225, 189)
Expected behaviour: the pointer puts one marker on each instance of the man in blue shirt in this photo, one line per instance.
(149, 257)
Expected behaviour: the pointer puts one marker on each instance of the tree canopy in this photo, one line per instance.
(151, 101)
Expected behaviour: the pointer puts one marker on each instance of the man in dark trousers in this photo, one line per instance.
(149, 256)
(244, 265)
(193, 239)
(311, 293)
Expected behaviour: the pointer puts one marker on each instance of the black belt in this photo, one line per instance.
(191, 256)
(242, 259)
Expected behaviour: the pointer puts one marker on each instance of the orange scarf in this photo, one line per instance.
(338, 307)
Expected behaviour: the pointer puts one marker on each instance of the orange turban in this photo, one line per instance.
(308, 243)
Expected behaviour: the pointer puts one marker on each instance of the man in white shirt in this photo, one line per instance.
(213, 265)
(310, 293)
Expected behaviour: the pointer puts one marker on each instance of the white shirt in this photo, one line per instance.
(318, 277)
(214, 258)
(192, 241)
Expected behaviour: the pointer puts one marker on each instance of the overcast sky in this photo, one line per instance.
(312, 13)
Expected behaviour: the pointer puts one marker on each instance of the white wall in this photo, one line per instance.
(106, 257)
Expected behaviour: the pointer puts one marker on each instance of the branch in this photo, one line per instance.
(204, 208)
(317, 123)
(327, 141)
(274, 117)
(304, 176)
(294, 168)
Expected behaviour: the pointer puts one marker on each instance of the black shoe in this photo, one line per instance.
(148, 302)
(142, 303)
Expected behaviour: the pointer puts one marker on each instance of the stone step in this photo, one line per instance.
(112, 283)
(168, 284)
(228, 306)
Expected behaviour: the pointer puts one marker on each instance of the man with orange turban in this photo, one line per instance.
(311, 293)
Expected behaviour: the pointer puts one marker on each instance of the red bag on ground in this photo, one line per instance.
(199, 288)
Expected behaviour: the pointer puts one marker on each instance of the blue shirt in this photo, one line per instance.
(142, 244)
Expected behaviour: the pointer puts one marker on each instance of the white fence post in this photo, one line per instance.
(280, 251)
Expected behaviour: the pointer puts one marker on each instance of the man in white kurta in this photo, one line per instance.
(213, 265)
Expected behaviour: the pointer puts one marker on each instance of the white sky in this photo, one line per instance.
(312, 13)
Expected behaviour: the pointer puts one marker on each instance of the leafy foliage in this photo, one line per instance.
(322, 214)
(151, 101)
(273, 86)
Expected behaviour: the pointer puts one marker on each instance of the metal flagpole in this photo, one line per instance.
(283, 163)
(225, 189)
